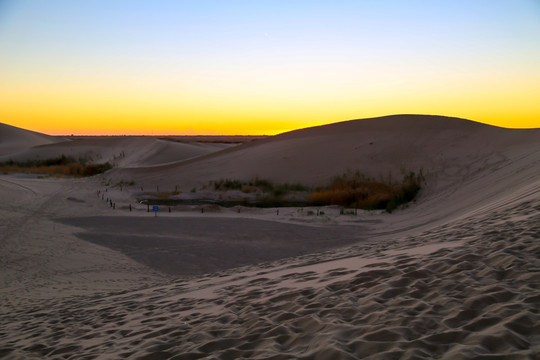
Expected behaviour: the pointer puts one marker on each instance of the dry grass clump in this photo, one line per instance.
(258, 185)
(62, 165)
(353, 189)
(165, 194)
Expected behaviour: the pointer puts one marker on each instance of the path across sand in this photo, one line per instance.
(199, 245)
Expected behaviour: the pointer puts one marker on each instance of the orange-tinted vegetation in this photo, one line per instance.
(353, 189)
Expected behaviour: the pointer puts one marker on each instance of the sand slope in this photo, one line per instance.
(14, 139)
(468, 289)
(120, 151)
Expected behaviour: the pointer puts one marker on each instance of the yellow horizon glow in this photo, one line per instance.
(263, 69)
(88, 111)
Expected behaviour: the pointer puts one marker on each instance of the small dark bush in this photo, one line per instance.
(227, 184)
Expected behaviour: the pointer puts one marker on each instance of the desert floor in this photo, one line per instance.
(455, 275)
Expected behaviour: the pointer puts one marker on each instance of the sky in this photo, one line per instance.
(264, 66)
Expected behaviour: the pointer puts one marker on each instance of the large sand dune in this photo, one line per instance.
(14, 139)
(467, 164)
(374, 146)
(454, 276)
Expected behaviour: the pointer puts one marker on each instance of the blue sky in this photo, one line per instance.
(251, 64)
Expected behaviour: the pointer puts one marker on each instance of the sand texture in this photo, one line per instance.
(455, 275)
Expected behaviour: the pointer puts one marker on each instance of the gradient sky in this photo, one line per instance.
(263, 67)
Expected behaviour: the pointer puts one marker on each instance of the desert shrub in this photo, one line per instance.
(62, 165)
(258, 184)
(262, 184)
(297, 187)
(94, 169)
(123, 182)
(407, 191)
(280, 190)
(247, 189)
(283, 189)
(353, 189)
(227, 184)
(62, 160)
(75, 169)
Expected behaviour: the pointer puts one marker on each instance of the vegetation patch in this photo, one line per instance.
(351, 190)
(258, 185)
(123, 183)
(354, 190)
(62, 165)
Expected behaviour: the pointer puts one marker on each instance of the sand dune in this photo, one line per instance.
(14, 139)
(454, 276)
(121, 151)
(467, 164)
(374, 146)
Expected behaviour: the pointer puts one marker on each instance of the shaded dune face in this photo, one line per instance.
(14, 139)
(196, 246)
